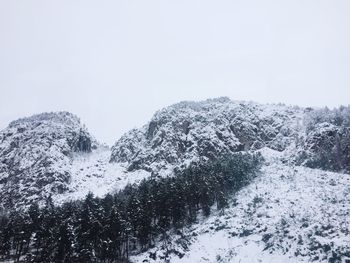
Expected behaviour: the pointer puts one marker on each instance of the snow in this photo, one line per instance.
(40, 157)
(189, 130)
(42, 149)
(219, 246)
(287, 214)
(92, 172)
(35, 156)
(286, 206)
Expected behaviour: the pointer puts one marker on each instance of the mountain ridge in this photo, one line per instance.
(175, 136)
(187, 130)
(294, 210)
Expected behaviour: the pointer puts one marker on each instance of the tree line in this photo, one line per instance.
(111, 228)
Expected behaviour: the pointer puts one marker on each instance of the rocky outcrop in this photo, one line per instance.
(326, 147)
(189, 130)
(35, 156)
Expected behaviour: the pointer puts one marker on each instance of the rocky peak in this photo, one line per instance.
(189, 130)
(35, 155)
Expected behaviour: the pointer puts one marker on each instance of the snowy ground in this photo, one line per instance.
(92, 172)
(288, 214)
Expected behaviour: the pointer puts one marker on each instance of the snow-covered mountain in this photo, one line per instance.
(189, 130)
(52, 155)
(35, 155)
(292, 212)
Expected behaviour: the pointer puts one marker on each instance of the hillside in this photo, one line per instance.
(288, 214)
(53, 156)
(164, 193)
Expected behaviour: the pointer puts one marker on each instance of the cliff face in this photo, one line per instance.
(35, 156)
(190, 130)
(326, 142)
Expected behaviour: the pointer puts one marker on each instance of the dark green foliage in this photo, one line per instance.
(108, 229)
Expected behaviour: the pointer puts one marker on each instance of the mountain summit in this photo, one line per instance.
(187, 131)
(189, 186)
(35, 155)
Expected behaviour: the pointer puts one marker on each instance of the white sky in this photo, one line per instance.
(114, 63)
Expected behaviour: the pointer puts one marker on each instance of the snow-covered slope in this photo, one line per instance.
(53, 155)
(92, 172)
(188, 130)
(288, 214)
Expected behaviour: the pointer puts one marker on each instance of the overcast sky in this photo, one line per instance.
(114, 63)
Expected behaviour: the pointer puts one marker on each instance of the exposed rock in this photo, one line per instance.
(35, 156)
(327, 147)
(189, 130)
